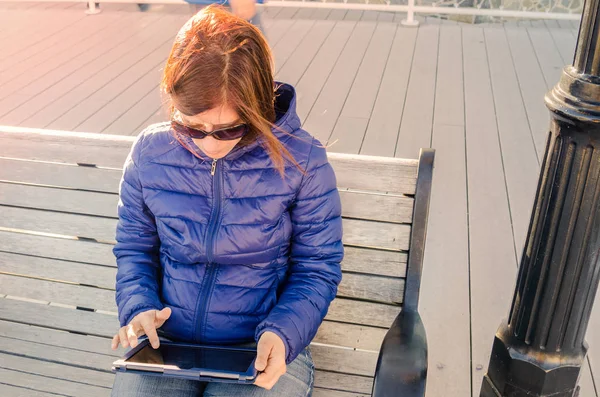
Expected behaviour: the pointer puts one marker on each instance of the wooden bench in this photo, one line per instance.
(58, 198)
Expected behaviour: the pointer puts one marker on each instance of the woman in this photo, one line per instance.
(229, 218)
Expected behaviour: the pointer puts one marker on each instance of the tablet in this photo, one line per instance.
(189, 361)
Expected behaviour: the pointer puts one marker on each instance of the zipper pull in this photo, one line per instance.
(214, 167)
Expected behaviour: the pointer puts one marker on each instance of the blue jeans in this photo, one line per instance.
(297, 382)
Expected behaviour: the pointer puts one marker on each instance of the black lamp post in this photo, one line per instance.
(540, 349)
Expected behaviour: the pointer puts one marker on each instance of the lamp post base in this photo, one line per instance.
(517, 370)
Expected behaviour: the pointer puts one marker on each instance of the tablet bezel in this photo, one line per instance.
(203, 374)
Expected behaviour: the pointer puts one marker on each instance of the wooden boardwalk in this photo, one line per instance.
(473, 92)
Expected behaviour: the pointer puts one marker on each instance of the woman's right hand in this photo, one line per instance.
(144, 323)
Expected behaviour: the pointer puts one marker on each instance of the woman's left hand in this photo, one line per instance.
(270, 360)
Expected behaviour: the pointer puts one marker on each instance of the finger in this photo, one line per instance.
(132, 336)
(123, 337)
(262, 356)
(150, 331)
(162, 316)
(115, 342)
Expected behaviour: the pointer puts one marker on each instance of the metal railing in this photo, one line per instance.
(554, 9)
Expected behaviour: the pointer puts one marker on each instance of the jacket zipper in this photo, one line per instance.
(211, 268)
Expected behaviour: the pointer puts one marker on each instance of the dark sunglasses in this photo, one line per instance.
(223, 134)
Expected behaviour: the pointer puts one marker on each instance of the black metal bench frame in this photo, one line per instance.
(402, 364)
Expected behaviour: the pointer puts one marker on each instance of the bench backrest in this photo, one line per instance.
(58, 197)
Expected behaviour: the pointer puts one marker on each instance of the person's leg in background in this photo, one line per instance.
(297, 382)
(135, 385)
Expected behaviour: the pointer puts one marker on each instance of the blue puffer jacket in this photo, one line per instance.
(236, 253)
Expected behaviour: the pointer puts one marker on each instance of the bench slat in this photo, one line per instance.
(345, 360)
(15, 391)
(51, 385)
(354, 172)
(358, 286)
(93, 344)
(72, 176)
(377, 207)
(358, 362)
(320, 392)
(104, 150)
(386, 208)
(333, 380)
(53, 337)
(55, 370)
(356, 232)
(343, 310)
(340, 334)
(360, 260)
(58, 248)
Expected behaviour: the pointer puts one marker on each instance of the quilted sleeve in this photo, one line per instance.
(316, 253)
(137, 247)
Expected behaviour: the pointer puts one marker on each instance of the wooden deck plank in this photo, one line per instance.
(290, 41)
(325, 112)
(586, 381)
(304, 54)
(492, 251)
(417, 117)
(353, 15)
(20, 81)
(144, 112)
(42, 24)
(337, 15)
(382, 132)
(321, 13)
(447, 249)
(304, 13)
(350, 128)
(312, 81)
(108, 107)
(593, 339)
(287, 13)
(532, 85)
(565, 41)
(519, 158)
(50, 80)
(548, 55)
(55, 45)
(277, 30)
(87, 99)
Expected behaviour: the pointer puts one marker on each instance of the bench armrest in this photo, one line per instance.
(402, 364)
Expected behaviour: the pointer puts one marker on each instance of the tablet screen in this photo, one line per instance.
(187, 357)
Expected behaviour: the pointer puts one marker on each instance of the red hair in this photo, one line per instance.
(218, 58)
